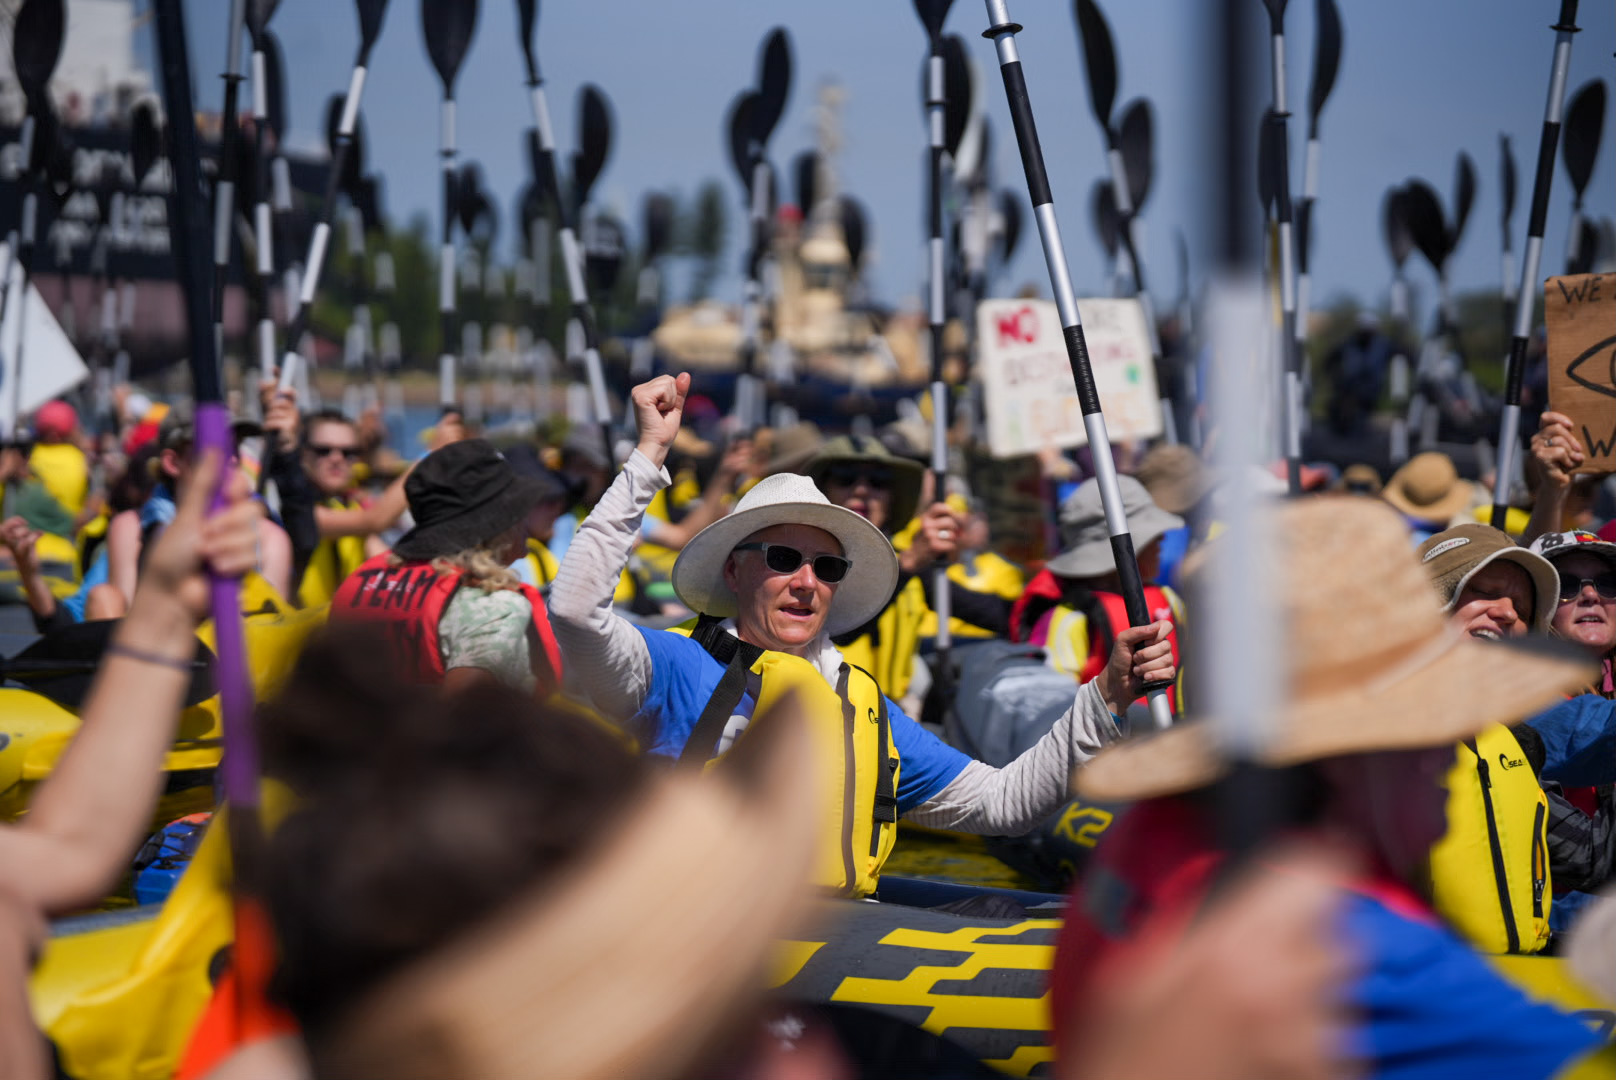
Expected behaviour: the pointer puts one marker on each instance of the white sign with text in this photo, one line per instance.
(1028, 393)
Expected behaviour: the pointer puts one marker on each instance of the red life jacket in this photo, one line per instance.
(1044, 593)
(408, 600)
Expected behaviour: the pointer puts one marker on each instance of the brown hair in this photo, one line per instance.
(420, 814)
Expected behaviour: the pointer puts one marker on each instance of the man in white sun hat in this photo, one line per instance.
(771, 583)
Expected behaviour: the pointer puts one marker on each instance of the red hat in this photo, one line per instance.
(55, 421)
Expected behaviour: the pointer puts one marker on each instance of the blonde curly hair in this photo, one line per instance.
(479, 566)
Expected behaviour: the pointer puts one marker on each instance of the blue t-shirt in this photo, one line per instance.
(1431, 1007)
(684, 676)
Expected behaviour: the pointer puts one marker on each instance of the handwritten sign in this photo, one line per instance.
(1581, 316)
(1028, 393)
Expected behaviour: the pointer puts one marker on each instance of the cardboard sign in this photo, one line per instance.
(1581, 316)
(1028, 393)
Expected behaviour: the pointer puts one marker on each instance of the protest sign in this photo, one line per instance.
(1028, 393)
(1581, 315)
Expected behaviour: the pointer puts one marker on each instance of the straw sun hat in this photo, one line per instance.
(1428, 488)
(1370, 662)
(790, 499)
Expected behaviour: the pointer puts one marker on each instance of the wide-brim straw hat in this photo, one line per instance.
(1371, 663)
(1175, 477)
(1428, 488)
(906, 474)
(791, 447)
(790, 499)
(585, 978)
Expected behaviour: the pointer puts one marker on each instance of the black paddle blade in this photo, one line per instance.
(469, 198)
(805, 172)
(1276, 14)
(1506, 181)
(933, 13)
(1587, 249)
(1394, 223)
(658, 214)
(741, 152)
(448, 26)
(1107, 222)
(1326, 60)
(1270, 161)
(1010, 211)
(37, 33)
(58, 166)
(1584, 123)
(145, 138)
(1099, 60)
(527, 17)
(353, 168)
(274, 83)
(367, 197)
(1426, 223)
(371, 13)
(1138, 156)
(957, 91)
(852, 215)
(46, 135)
(604, 247)
(259, 12)
(1464, 197)
(774, 85)
(61, 665)
(594, 140)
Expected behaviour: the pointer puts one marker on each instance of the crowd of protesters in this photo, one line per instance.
(522, 631)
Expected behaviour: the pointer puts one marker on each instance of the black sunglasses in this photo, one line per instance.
(320, 450)
(784, 560)
(1571, 587)
(849, 475)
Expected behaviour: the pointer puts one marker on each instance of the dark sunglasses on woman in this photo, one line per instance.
(321, 450)
(783, 559)
(1571, 587)
(849, 475)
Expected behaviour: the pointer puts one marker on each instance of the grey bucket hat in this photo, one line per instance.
(1085, 537)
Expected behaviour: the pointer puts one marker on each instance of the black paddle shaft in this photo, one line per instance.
(1002, 32)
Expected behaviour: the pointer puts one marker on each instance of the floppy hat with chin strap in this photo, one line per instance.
(1370, 663)
(790, 499)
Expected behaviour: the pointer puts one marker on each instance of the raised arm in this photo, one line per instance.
(1013, 800)
(88, 816)
(604, 652)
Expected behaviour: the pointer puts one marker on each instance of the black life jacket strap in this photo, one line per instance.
(885, 808)
(737, 658)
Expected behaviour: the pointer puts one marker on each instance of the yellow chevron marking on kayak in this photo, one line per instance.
(789, 958)
(1023, 1061)
(962, 1010)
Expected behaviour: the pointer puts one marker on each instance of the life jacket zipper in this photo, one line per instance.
(1540, 868)
(1497, 846)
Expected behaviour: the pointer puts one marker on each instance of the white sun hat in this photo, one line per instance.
(790, 499)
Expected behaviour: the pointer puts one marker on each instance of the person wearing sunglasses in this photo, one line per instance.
(772, 583)
(131, 533)
(313, 463)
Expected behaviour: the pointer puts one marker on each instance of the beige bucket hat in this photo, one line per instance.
(790, 499)
(1371, 662)
(1428, 488)
(1454, 556)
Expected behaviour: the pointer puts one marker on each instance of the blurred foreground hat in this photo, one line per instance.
(1454, 556)
(584, 979)
(1428, 488)
(1085, 537)
(1371, 663)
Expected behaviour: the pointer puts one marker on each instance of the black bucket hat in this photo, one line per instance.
(463, 496)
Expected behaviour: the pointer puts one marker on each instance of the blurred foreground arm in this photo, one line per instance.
(86, 819)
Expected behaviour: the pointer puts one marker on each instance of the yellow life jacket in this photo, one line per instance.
(1490, 873)
(543, 564)
(887, 648)
(64, 471)
(331, 562)
(988, 573)
(852, 734)
(655, 559)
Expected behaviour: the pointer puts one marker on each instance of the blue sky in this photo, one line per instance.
(1420, 81)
